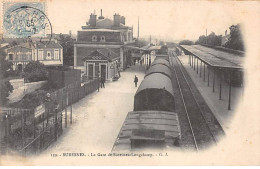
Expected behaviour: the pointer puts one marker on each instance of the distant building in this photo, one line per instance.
(50, 54)
(225, 38)
(106, 38)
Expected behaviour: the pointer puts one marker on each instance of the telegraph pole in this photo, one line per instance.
(138, 29)
(206, 37)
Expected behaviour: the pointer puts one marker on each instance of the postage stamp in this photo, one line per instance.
(25, 19)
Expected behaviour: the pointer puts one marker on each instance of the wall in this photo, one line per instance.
(16, 83)
(64, 78)
(109, 36)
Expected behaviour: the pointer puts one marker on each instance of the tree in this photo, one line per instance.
(212, 39)
(186, 42)
(161, 43)
(6, 66)
(68, 51)
(5, 89)
(202, 40)
(235, 41)
(35, 71)
(141, 42)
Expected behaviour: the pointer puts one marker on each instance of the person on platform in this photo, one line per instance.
(98, 80)
(136, 80)
(102, 82)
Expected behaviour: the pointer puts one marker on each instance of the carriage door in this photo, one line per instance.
(103, 71)
(90, 71)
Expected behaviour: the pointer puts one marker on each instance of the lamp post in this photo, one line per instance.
(7, 130)
(47, 105)
(56, 108)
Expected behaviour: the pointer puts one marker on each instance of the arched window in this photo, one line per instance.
(94, 38)
(102, 38)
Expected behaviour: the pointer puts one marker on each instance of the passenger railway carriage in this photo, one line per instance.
(159, 68)
(153, 123)
(154, 93)
(161, 61)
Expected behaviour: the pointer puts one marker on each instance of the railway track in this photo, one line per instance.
(203, 126)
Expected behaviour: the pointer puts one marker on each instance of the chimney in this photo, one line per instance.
(93, 20)
(101, 16)
(117, 19)
(123, 20)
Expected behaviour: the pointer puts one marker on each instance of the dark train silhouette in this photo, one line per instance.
(153, 124)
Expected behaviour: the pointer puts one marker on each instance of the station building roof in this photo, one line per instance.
(215, 57)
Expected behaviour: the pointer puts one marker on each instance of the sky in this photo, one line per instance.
(164, 19)
(173, 20)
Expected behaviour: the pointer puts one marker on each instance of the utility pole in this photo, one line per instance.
(206, 37)
(138, 29)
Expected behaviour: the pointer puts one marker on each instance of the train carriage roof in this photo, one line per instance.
(149, 125)
(159, 68)
(161, 61)
(156, 81)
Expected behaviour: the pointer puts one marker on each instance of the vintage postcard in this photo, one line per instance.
(98, 82)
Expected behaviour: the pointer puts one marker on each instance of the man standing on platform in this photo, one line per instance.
(102, 82)
(136, 80)
(98, 80)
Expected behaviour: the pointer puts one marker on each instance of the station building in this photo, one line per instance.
(50, 54)
(100, 46)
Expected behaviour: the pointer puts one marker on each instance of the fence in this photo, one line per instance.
(40, 130)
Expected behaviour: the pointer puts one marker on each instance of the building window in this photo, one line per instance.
(19, 55)
(102, 38)
(48, 57)
(40, 55)
(94, 38)
(56, 55)
(29, 55)
(11, 56)
(24, 56)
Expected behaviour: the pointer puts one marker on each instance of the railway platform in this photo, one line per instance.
(218, 107)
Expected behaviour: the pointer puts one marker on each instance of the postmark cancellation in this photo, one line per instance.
(25, 19)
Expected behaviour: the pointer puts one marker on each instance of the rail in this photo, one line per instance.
(186, 111)
(180, 66)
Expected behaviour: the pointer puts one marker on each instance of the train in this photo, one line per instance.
(153, 123)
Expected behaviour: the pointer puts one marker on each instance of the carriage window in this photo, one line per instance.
(94, 38)
(103, 38)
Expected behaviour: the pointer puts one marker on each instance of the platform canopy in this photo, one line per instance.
(216, 57)
(159, 68)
